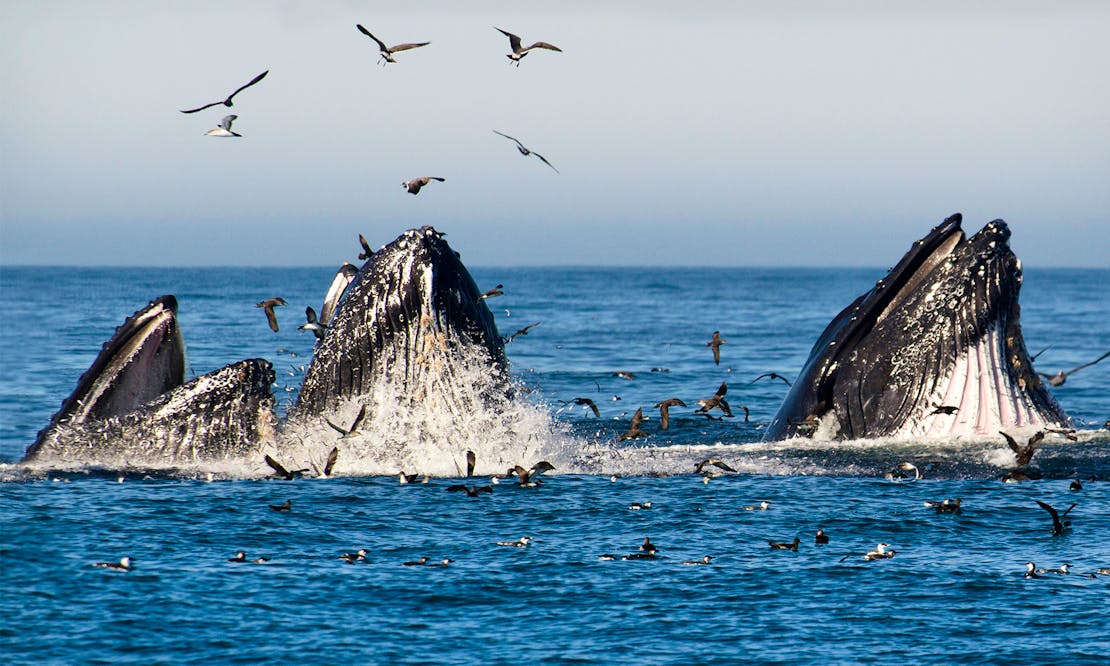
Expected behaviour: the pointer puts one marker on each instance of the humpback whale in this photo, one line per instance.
(409, 330)
(942, 328)
(133, 406)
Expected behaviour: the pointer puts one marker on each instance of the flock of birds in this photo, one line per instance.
(517, 53)
(648, 550)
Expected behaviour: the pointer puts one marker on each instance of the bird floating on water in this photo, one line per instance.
(1059, 525)
(227, 100)
(123, 565)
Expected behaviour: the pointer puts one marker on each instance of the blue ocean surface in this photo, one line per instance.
(955, 591)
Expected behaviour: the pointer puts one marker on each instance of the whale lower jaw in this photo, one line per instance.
(988, 399)
(224, 415)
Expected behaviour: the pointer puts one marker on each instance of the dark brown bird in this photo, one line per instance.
(716, 402)
(329, 464)
(585, 402)
(471, 461)
(416, 563)
(1060, 377)
(1024, 454)
(280, 470)
(367, 251)
(386, 52)
(520, 51)
(470, 491)
(947, 506)
(268, 306)
(821, 537)
(529, 478)
(525, 151)
(716, 462)
(634, 431)
(664, 408)
(282, 507)
(414, 185)
(493, 293)
(523, 331)
(348, 432)
(947, 410)
(624, 374)
(227, 102)
(313, 324)
(716, 343)
(1059, 526)
(772, 376)
(793, 545)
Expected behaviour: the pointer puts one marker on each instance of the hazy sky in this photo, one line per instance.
(723, 133)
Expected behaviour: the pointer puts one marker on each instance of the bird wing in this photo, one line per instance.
(593, 407)
(544, 160)
(722, 390)
(1080, 367)
(310, 315)
(338, 429)
(456, 488)
(276, 466)
(664, 416)
(637, 419)
(225, 123)
(511, 138)
(330, 464)
(406, 47)
(1011, 442)
(544, 45)
(271, 317)
(366, 32)
(367, 252)
(442, 180)
(723, 466)
(247, 85)
(716, 353)
(1036, 438)
(358, 420)
(1056, 524)
(514, 41)
(723, 404)
(202, 108)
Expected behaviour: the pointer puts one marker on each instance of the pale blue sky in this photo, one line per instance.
(721, 133)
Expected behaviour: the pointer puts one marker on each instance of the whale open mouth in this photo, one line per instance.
(934, 349)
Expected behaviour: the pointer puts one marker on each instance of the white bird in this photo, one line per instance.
(225, 127)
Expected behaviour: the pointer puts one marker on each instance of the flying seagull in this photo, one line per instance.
(525, 151)
(268, 306)
(414, 185)
(386, 52)
(520, 51)
(227, 102)
(225, 127)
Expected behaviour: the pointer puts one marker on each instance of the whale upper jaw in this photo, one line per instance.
(410, 317)
(942, 328)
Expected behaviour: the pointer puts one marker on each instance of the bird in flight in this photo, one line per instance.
(716, 343)
(227, 102)
(386, 52)
(414, 185)
(520, 51)
(224, 128)
(525, 151)
(268, 306)
(1060, 377)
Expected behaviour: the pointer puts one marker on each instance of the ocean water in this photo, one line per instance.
(954, 592)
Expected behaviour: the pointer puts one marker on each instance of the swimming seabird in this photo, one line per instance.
(606, 557)
(879, 553)
(762, 506)
(493, 293)
(903, 471)
(414, 185)
(648, 546)
(522, 543)
(386, 52)
(820, 538)
(227, 102)
(417, 563)
(1060, 377)
(525, 151)
(471, 491)
(442, 563)
(282, 507)
(716, 462)
(529, 478)
(239, 557)
(123, 565)
(351, 558)
(1075, 485)
(1059, 526)
(664, 408)
(634, 431)
(523, 331)
(1031, 570)
(779, 545)
(639, 506)
(313, 324)
(716, 402)
(349, 432)
(624, 374)
(411, 478)
(224, 128)
(716, 343)
(1025, 453)
(1063, 570)
(771, 375)
(520, 51)
(268, 306)
(704, 560)
(946, 506)
(639, 556)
